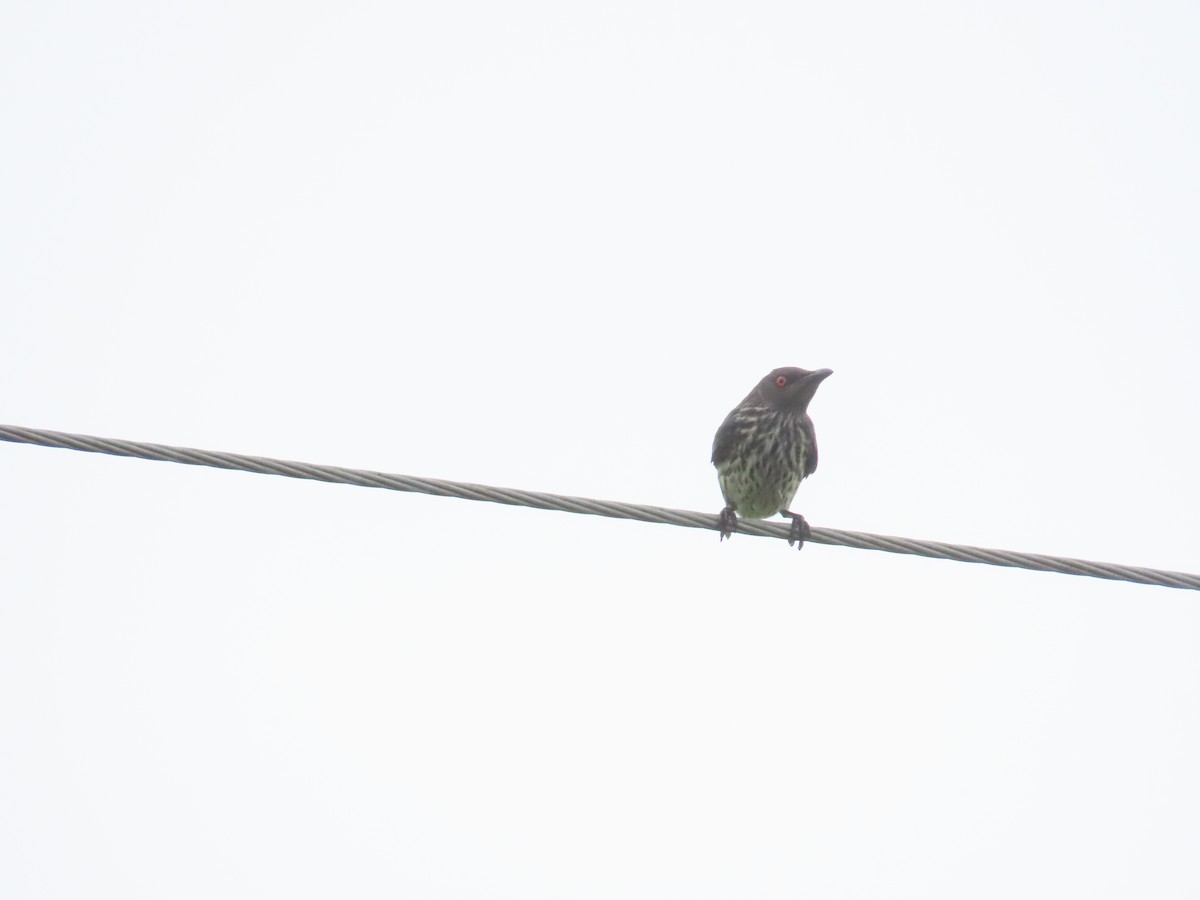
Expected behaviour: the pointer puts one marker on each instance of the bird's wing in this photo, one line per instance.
(810, 441)
(724, 441)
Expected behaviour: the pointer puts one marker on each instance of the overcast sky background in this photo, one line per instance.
(548, 246)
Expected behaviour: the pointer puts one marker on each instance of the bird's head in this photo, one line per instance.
(790, 389)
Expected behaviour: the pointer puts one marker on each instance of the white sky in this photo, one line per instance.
(549, 246)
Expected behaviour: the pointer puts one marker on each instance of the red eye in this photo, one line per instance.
(781, 381)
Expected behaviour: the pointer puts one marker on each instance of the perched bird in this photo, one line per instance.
(765, 447)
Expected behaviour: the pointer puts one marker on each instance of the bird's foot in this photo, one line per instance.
(727, 521)
(799, 531)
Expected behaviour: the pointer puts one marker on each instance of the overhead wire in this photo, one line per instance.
(588, 506)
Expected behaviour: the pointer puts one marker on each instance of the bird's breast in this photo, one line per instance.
(767, 463)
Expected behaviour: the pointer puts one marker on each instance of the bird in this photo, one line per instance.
(765, 447)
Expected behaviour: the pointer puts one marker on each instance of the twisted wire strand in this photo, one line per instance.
(587, 506)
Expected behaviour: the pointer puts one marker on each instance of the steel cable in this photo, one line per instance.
(588, 506)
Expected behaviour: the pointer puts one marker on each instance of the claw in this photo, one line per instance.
(727, 521)
(799, 530)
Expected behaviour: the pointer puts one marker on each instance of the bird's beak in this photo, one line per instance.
(807, 386)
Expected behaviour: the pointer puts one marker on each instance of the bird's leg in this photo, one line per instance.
(799, 531)
(727, 521)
